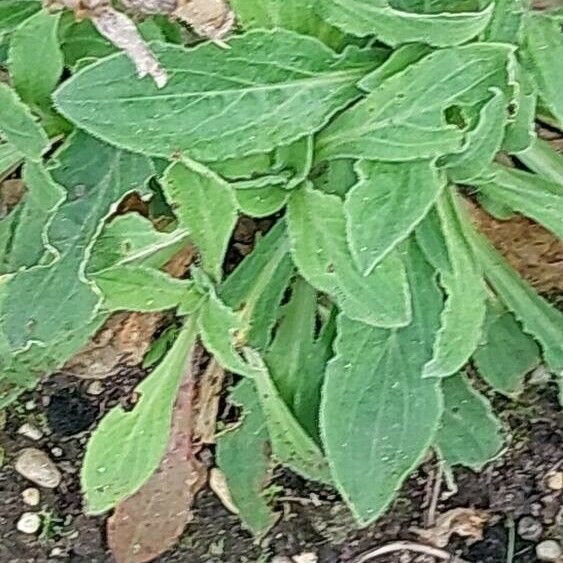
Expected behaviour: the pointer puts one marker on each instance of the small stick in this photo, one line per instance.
(511, 540)
(431, 515)
(408, 546)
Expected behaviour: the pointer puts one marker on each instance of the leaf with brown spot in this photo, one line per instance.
(149, 522)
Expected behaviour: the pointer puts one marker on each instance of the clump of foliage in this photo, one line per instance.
(359, 127)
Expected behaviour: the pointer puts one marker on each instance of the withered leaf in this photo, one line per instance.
(208, 18)
(149, 522)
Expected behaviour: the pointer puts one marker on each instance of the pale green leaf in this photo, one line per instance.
(317, 227)
(18, 126)
(378, 414)
(14, 12)
(506, 22)
(465, 307)
(537, 316)
(131, 239)
(507, 354)
(139, 288)
(542, 158)
(35, 58)
(127, 446)
(403, 118)
(291, 445)
(544, 53)
(10, 158)
(28, 242)
(529, 194)
(295, 15)
(261, 202)
(469, 433)
(482, 143)
(395, 26)
(49, 309)
(218, 103)
(206, 206)
(387, 203)
(257, 285)
(243, 456)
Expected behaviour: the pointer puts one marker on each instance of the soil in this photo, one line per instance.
(312, 520)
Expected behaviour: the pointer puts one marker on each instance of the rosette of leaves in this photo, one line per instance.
(359, 128)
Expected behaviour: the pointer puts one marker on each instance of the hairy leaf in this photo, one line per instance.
(505, 25)
(150, 521)
(261, 202)
(139, 288)
(35, 59)
(218, 103)
(385, 206)
(506, 354)
(529, 194)
(18, 126)
(544, 51)
(10, 157)
(469, 432)
(244, 458)
(14, 12)
(464, 311)
(395, 26)
(127, 446)
(205, 205)
(403, 118)
(542, 158)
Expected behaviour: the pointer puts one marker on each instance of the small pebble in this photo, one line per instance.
(57, 452)
(31, 496)
(555, 481)
(548, 550)
(29, 405)
(30, 431)
(36, 466)
(95, 388)
(307, 557)
(529, 528)
(57, 552)
(540, 376)
(29, 523)
(281, 559)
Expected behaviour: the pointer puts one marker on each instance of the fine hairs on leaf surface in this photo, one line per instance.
(314, 158)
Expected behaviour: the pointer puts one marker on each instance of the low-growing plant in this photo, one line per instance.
(360, 129)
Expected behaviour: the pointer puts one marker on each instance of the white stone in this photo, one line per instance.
(548, 550)
(57, 452)
(29, 405)
(308, 557)
(555, 481)
(95, 388)
(30, 431)
(31, 496)
(29, 523)
(36, 466)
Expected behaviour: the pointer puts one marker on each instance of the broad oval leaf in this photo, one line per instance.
(404, 117)
(378, 414)
(395, 26)
(269, 88)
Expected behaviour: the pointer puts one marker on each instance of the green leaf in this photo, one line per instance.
(482, 143)
(387, 203)
(205, 205)
(464, 311)
(469, 434)
(378, 415)
(138, 288)
(317, 228)
(35, 59)
(14, 12)
(27, 241)
(261, 202)
(542, 158)
(506, 22)
(131, 239)
(257, 285)
(18, 126)
(243, 457)
(335, 176)
(10, 158)
(127, 446)
(395, 26)
(48, 311)
(80, 40)
(529, 194)
(543, 54)
(403, 118)
(250, 98)
(291, 445)
(295, 15)
(507, 354)
(538, 317)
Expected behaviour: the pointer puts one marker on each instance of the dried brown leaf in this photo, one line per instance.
(148, 523)
(464, 522)
(208, 18)
(207, 406)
